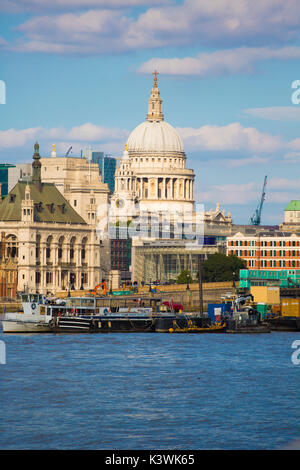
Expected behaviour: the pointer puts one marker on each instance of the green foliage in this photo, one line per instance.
(220, 268)
(184, 277)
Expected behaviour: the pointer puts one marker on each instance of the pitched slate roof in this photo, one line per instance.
(49, 205)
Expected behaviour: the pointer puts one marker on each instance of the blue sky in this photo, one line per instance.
(80, 72)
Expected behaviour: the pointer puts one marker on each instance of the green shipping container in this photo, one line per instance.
(262, 309)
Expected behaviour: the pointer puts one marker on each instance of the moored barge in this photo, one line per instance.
(92, 315)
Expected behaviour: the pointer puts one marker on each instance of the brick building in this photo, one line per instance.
(274, 250)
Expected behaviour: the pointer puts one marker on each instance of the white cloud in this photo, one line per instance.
(235, 194)
(91, 132)
(242, 60)
(93, 31)
(284, 183)
(18, 138)
(292, 157)
(78, 136)
(241, 162)
(294, 144)
(232, 137)
(15, 6)
(225, 23)
(276, 113)
(279, 190)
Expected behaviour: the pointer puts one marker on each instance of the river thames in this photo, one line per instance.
(149, 391)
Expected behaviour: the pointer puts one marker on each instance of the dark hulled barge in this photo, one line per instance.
(93, 314)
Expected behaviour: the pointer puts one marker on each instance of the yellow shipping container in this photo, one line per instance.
(276, 308)
(266, 294)
(290, 307)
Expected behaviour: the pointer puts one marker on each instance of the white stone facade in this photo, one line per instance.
(52, 258)
(80, 182)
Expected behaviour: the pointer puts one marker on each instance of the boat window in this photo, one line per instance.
(48, 311)
(87, 302)
(34, 298)
(25, 298)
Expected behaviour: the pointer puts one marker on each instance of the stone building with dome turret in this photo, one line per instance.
(153, 183)
(153, 172)
(51, 246)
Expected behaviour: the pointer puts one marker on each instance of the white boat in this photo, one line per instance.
(33, 318)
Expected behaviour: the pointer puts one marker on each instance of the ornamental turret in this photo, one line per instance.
(27, 206)
(36, 168)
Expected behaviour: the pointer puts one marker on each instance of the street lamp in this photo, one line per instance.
(188, 292)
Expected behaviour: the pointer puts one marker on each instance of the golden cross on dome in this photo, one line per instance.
(155, 73)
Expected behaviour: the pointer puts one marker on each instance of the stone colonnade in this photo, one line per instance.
(153, 187)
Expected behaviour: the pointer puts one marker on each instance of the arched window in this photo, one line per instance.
(48, 247)
(11, 246)
(60, 248)
(38, 247)
(83, 248)
(72, 250)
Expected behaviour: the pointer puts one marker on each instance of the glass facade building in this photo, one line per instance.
(107, 166)
(10, 174)
(4, 177)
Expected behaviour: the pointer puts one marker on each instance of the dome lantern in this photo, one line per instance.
(155, 135)
(155, 103)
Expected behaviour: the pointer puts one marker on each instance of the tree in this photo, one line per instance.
(219, 267)
(184, 277)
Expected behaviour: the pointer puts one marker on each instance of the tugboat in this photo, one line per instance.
(33, 318)
(245, 318)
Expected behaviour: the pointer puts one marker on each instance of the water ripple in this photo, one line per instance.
(142, 391)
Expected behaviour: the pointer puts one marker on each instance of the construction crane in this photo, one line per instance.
(68, 151)
(255, 219)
